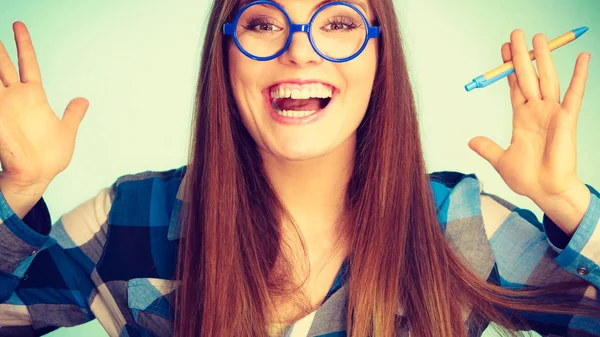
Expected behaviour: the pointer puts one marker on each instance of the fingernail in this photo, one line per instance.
(589, 56)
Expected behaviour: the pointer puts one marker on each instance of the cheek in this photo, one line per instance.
(367, 63)
(239, 72)
(242, 74)
(360, 74)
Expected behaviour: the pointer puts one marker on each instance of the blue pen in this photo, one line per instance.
(507, 68)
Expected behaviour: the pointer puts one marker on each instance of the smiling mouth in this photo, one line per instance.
(300, 100)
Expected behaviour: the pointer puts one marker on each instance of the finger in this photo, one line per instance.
(487, 149)
(74, 113)
(8, 73)
(574, 94)
(526, 75)
(28, 65)
(549, 85)
(516, 96)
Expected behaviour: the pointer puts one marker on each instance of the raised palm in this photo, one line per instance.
(541, 161)
(35, 145)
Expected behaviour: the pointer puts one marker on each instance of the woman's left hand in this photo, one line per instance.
(541, 161)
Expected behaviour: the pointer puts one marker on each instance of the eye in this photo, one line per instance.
(338, 24)
(262, 26)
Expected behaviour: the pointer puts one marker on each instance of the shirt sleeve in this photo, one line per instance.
(529, 252)
(579, 254)
(46, 272)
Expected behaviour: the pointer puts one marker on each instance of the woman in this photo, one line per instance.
(310, 208)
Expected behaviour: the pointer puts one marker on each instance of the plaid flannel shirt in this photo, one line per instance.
(113, 259)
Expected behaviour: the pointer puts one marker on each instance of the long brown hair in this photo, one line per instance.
(232, 237)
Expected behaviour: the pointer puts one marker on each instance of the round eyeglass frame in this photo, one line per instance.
(371, 32)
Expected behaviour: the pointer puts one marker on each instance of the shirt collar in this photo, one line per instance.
(177, 224)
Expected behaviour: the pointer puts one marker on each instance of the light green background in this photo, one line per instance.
(136, 61)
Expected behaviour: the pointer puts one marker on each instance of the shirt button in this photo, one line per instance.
(582, 270)
(33, 252)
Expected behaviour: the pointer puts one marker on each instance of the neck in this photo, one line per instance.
(314, 191)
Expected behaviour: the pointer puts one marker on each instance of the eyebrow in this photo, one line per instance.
(358, 3)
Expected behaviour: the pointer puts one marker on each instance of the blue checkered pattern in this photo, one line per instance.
(113, 259)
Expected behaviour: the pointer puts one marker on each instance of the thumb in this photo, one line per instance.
(487, 149)
(74, 113)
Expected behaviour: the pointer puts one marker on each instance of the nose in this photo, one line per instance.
(300, 52)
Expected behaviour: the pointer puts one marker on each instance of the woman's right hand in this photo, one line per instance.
(35, 145)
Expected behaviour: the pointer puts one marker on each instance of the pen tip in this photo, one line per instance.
(579, 31)
(470, 86)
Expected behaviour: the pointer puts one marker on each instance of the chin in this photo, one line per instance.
(298, 153)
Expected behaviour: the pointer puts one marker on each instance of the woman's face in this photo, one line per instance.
(284, 102)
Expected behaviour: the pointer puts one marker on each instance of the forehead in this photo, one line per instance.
(314, 4)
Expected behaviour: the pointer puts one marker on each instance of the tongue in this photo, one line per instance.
(309, 104)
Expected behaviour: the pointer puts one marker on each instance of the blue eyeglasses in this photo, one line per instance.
(337, 31)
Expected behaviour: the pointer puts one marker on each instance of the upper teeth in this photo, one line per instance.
(313, 90)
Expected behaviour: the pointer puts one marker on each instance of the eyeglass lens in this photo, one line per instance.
(337, 31)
